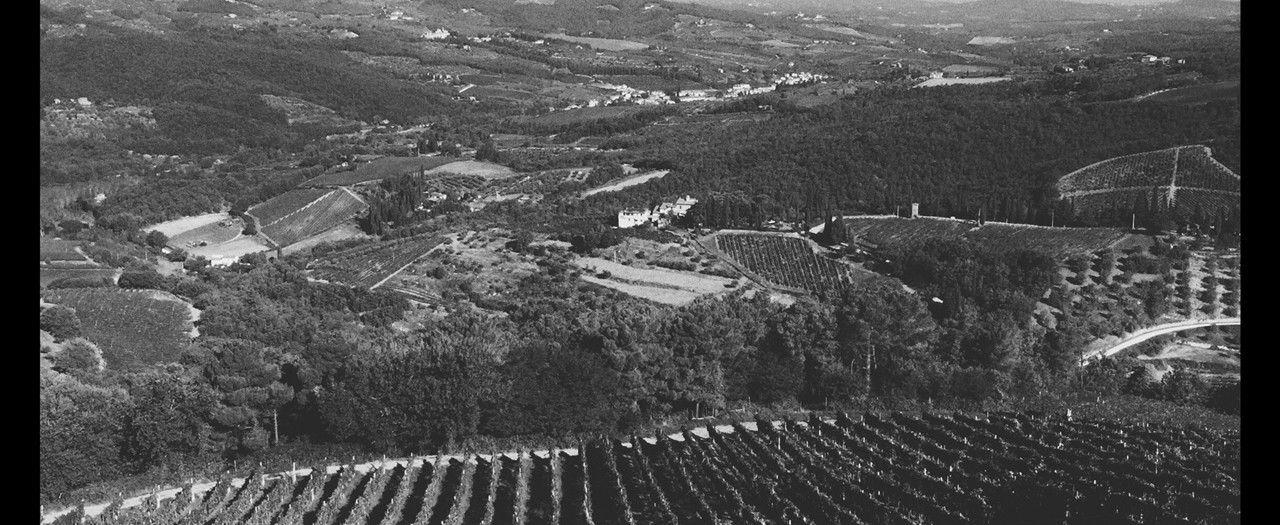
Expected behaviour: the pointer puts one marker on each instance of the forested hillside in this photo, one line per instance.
(954, 151)
(205, 87)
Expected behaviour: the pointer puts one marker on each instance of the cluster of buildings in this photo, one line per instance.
(623, 94)
(661, 215)
(438, 34)
(800, 77)
(1152, 59)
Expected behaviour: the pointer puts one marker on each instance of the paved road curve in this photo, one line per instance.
(1148, 333)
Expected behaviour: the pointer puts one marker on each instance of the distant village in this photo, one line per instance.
(624, 95)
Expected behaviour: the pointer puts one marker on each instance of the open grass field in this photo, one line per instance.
(606, 44)
(133, 328)
(224, 230)
(667, 296)
(177, 226)
(383, 168)
(496, 92)
(850, 32)
(59, 250)
(231, 251)
(657, 284)
(487, 170)
(958, 81)
(627, 182)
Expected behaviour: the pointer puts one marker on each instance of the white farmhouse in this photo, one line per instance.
(682, 205)
(438, 34)
(633, 218)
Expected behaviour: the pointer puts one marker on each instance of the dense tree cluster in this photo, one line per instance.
(159, 199)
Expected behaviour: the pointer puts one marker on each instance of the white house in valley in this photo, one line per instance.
(660, 215)
(633, 218)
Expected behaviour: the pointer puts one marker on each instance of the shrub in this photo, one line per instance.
(60, 321)
(80, 282)
(78, 354)
(144, 279)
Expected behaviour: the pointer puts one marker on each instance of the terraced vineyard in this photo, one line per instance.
(897, 231)
(898, 469)
(132, 327)
(1186, 177)
(282, 205)
(788, 261)
(1057, 242)
(1142, 170)
(367, 265)
(307, 218)
(890, 232)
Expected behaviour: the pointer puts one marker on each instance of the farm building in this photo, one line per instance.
(698, 94)
(683, 204)
(660, 215)
(633, 218)
(438, 34)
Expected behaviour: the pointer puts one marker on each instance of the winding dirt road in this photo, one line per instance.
(1147, 333)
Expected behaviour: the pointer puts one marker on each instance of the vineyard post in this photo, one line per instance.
(870, 356)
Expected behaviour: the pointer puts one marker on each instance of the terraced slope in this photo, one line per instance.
(368, 265)
(132, 327)
(1185, 178)
(299, 214)
(937, 469)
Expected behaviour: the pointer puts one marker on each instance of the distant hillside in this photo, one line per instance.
(206, 87)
